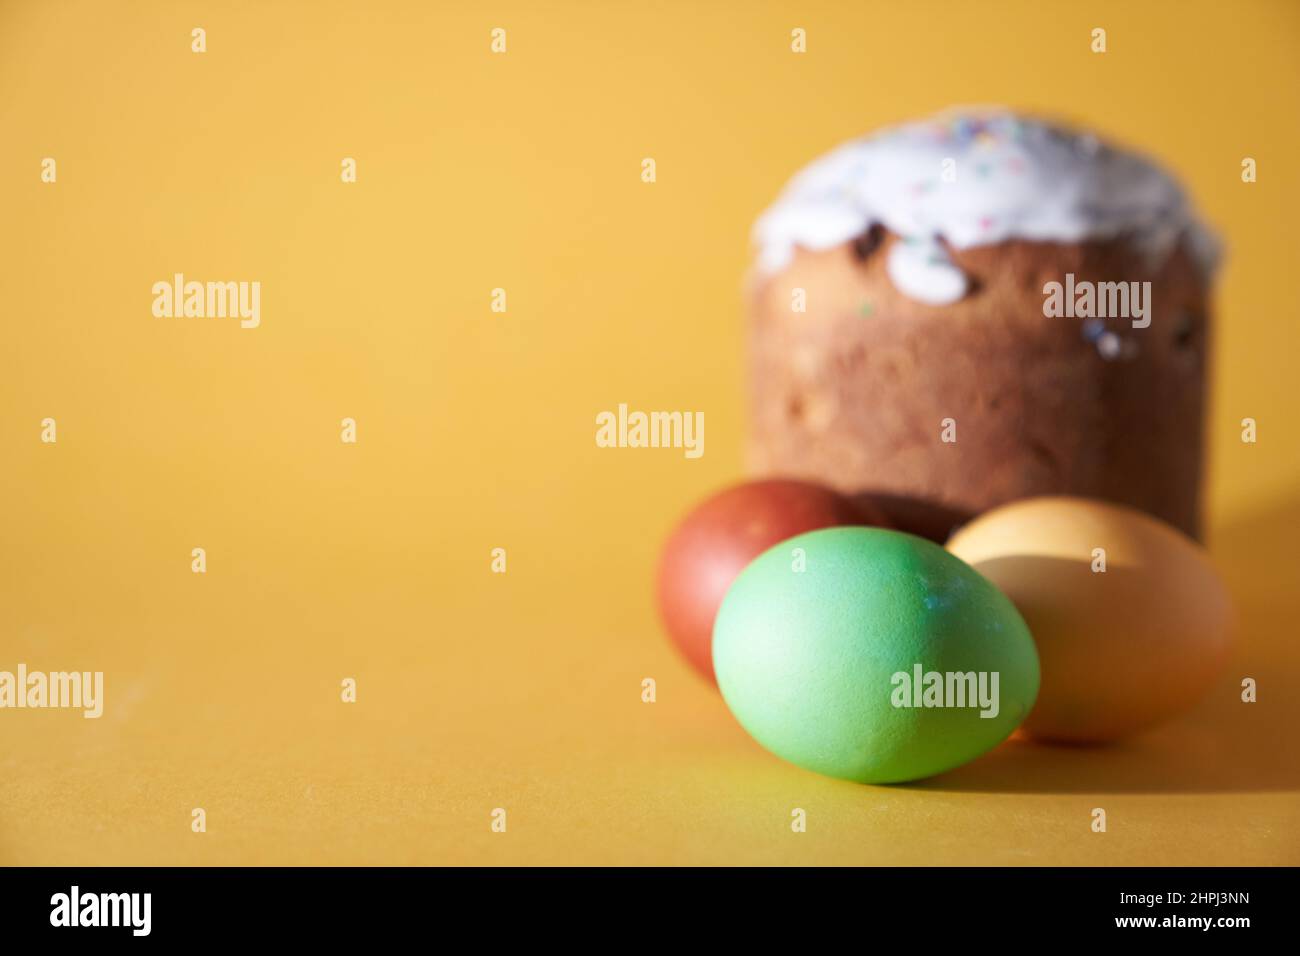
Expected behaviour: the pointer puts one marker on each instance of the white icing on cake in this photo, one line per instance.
(1014, 179)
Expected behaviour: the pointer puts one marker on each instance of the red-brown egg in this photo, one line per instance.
(715, 542)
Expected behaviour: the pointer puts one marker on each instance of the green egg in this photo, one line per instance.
(872, 655)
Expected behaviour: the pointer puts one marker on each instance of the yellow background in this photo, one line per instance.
(476, 430)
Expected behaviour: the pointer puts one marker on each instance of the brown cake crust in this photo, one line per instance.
(853, 392)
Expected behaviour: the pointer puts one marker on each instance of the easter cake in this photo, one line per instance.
(958, 313)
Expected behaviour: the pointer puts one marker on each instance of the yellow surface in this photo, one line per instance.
(476, 429)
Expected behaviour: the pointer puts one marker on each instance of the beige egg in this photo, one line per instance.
(1131, 621)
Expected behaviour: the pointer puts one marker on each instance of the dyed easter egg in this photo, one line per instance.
(718, 538)
(1131, 620)
(872, 655)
